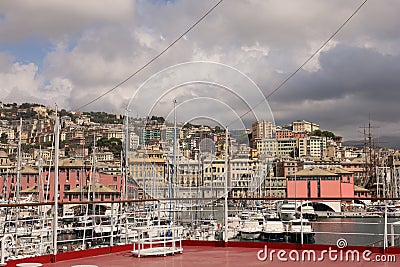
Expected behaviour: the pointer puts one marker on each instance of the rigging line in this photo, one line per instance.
(154, 58)
(304, 63)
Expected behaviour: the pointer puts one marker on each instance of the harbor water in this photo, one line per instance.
(357, 231)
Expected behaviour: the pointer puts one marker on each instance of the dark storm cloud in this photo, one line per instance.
(346, 71)
(351, 85)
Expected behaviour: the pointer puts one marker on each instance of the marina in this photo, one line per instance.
(148, 233)
(91, 230)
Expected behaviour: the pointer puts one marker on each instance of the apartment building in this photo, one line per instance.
(266, 147)
(304, 126)
(287, 147)
(312, 146)
(262, 129)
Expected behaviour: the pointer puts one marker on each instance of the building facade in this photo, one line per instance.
(304, 126)
(262, 129)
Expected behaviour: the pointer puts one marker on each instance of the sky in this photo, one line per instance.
(67, 53)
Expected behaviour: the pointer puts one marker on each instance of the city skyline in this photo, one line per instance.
(72, 53)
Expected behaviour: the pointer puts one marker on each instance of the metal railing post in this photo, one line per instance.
(385, 232)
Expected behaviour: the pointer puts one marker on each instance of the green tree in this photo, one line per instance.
(113, 145)
(328, 134)
(316, 133)
(322, 133)
(218, 129)
(158, 119)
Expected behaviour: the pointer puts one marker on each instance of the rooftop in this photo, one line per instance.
(313, 172)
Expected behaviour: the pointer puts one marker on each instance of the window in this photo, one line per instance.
(67, 187)
(115, 178)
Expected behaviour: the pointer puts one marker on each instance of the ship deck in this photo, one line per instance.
(203, 253)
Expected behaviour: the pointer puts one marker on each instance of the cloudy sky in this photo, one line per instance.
(69, 52)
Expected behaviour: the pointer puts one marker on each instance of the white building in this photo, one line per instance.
(266, 147)
(304, 126)
(133, 141)
(312, 146)
(287, 147)
(262, 129)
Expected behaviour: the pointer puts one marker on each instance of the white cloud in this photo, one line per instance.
(19, 77)
(97, 44)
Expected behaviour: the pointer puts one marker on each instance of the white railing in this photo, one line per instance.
(204, 220)
(157, 241)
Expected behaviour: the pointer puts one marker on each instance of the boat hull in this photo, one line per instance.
(250, 235)
(273, 237)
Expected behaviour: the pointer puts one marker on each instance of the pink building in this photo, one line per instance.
(74, 183)
(299, 135)
(284, 133)
(286, 168)
(357, 166)
(319, 183)
(361, 192)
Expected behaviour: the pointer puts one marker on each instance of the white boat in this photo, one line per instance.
(103, 227)
(250, 230)
(68, 215)
(299, 227)
(257, 216)
(288, 211)
(308, 213)
(232, 233)
(271, 215)
(234, 223)
(245, 214)
(274, 231)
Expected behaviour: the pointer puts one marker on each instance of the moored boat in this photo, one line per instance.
(308, 213)
(287, 211)
(274, 231)
(301, 231)
(250, 230)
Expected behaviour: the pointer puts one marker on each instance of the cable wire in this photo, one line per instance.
(154, 58)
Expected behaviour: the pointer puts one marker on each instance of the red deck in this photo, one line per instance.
(208, 254)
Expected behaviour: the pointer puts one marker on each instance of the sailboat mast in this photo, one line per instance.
(122, 187)
(126, 148)
(55, 212)
(17, 190)
(94, 169)
(17, 196)
(174, 170)
(40, 197)
(226, 187)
